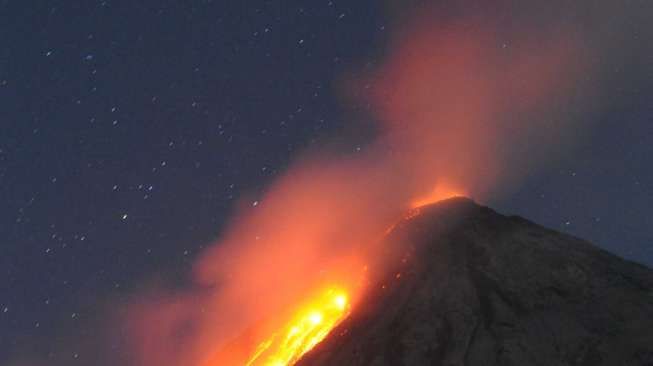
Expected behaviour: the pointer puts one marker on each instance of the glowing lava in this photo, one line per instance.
(439, 193)
(308, 327)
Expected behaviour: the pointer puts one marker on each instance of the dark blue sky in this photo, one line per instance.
(129, 129)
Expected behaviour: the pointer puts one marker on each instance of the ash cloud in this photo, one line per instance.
(450, 100)
(469, 98)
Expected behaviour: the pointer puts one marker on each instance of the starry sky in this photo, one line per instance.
(129, 130)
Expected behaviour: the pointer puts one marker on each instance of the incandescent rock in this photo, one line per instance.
(480, 288)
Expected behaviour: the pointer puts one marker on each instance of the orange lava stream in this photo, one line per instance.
(308, 327)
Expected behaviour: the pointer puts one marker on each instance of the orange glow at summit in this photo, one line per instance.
(286, 270)
(439, 193)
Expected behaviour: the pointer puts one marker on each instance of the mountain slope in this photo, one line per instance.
(480, 288)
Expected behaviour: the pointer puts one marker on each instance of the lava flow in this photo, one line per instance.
(449, 107)
(309, 326)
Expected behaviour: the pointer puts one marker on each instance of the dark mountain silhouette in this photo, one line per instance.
(480, 288)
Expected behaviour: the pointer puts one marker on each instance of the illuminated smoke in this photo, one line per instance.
(451, 101)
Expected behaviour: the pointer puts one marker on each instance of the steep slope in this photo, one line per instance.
(480, 288)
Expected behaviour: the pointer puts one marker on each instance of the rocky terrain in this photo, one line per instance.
(480, 288)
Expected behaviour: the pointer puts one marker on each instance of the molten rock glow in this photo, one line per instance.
(456, 114)
(439, 193)
(311, 323)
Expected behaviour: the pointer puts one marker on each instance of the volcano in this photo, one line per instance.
(474, 287)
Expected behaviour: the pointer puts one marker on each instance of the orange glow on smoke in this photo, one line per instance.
(310, 324)
(451, 104)
(439, 193)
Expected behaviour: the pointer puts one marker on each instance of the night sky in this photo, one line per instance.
(129, 130)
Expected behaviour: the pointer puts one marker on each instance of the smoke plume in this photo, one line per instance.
(451, 101)
(459, 110)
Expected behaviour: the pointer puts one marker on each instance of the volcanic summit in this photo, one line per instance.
(480, 288)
